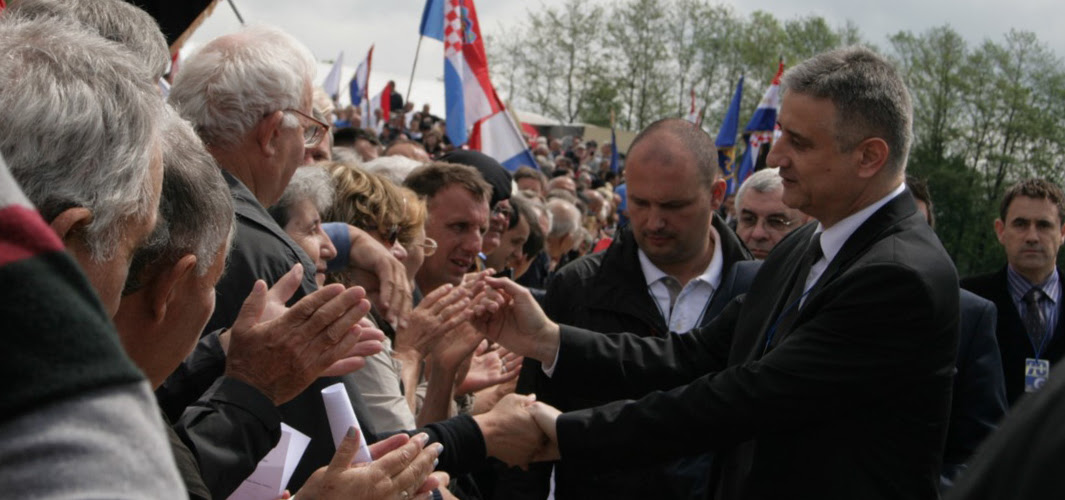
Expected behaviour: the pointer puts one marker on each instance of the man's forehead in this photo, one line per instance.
(1032, 208)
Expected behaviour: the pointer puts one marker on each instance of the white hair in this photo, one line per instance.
(762, 181)
(565, 218)
(230, 84)
(394, 168)
(308, 183)
(195, 208)
(79, 126)
(114, 20)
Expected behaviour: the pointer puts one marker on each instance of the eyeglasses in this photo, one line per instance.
(777, 223)
(501, 210)
(314, 131)
(389, 237)
(393, 235)
(428, 246)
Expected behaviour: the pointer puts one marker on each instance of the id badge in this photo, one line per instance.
(1036, 372)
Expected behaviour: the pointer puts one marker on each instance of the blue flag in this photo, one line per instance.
(614, 162)
(726, 140)
(433, 20)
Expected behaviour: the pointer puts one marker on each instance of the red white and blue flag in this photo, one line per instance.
(761, 127)
(471, 100)
(360, 83)
(331, 84)
(381, 101)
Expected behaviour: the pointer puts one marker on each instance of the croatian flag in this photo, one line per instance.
(359, 86)
(381, 101)
(468, 92)
(471, 100)
(331, 84)
(726, 140)
(761, 127)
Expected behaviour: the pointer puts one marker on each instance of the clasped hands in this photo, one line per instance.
(518, 430)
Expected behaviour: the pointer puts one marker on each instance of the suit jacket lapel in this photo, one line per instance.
(883, 221)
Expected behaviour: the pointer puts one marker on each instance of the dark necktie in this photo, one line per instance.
(1033, 317)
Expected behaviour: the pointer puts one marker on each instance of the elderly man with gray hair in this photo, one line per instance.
(115, 20)
(84, 144)
(249, 97)
(762, 218)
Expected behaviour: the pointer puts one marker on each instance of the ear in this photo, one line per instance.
(872, 155)
(165, 286)
(267, 132)
(717, 193)
(1000, 227)
(69, 223)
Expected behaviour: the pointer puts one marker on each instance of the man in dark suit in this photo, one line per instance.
(833, 374)
(1027, 290)
(979, 398)
(675, 248)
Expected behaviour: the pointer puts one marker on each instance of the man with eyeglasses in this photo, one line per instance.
(259, 145)
(762, 217)
(670, 270)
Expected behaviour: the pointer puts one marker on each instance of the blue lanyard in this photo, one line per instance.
(773, 329)
(1042, 345)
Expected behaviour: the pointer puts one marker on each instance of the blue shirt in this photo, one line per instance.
(1018, 286)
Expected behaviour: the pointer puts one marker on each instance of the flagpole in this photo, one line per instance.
(237, 12)
(415, 65)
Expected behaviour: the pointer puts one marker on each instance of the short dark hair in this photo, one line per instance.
(1034, 188)
(695, 140)
(429, 179)
(919, 189)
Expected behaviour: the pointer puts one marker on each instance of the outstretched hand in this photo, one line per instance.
(510, 432)
(546, 418)
(488, 366)
(402, 468)
(283, 355)
(505, 312)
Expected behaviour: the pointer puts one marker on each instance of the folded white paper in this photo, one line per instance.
(341, 417)
(268, 480)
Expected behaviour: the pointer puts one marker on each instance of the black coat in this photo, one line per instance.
(607, 292)
(852, 402)
(1013, 340)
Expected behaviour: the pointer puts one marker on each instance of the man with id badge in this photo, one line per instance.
(1027, 291)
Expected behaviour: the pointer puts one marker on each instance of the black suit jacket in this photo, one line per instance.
(979, 399)
(851, 403)
(1013, 340)
(607, 292)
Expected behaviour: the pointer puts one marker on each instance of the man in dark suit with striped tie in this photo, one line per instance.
(1027, 291)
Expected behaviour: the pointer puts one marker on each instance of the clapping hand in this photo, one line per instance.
(402, 468)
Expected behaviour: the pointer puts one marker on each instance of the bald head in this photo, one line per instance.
(694, 144)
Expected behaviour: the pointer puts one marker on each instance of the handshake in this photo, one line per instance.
(519, 430)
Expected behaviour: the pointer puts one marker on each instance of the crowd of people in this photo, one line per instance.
(185, 276)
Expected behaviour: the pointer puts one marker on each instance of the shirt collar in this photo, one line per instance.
(1019, 285)
(833, 238)
(711, 275)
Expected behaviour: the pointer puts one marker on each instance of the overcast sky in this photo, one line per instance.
(331, 26)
